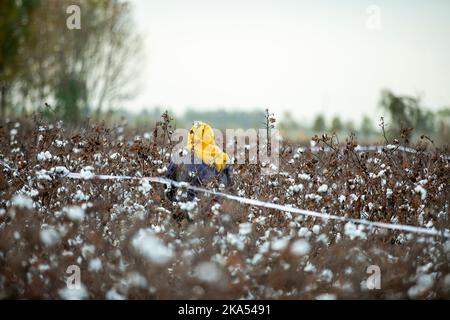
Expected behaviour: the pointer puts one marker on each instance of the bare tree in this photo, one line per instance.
(81, 70)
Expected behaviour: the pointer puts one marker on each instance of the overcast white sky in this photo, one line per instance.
(291, 55)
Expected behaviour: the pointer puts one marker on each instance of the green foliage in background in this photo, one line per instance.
(14, 33)
(80, 72)
(236, 119)
(319, 123)
(405, 113)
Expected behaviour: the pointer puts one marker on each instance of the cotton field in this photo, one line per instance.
(89, 238)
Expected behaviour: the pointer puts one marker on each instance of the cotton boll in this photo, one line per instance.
(80, 196)
(326, 275)
(74, 213)
(323, 238)
(151, 247)
(313, 196)
(135, 279)
(95, 265)
(78, 293)
(354, 231)
(86, 250)
(422, 191)
(323, 188)
(114, 156)
(389, 193)
(208, 272)
(326, 296)
(316, 229)
(13, 132)
(87, 173)
(43, 175)
(245, 228)
(22, 201)
(145, 187)
(114, 295)
(310, 267)
(280, 244)
(49, 236)
(236, 240)
(300, 247)
(60, 170)
(216, 208)
(60, 143)
(424, 283)
(304, 176)
(187, 206)
(44, 156)
(295, 189)
(304, 233)
(447, 282)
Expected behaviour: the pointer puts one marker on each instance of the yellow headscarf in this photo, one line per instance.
(201, 140)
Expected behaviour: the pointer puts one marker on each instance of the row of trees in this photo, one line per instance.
(77, 71)
(337, 125)
(405, 117)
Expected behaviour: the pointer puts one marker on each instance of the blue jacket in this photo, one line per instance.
(197, 174)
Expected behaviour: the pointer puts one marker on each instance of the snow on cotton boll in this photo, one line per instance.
(300, 247)
(151, 247)
(74, 213)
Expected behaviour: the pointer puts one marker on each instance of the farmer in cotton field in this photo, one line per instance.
(207, 162)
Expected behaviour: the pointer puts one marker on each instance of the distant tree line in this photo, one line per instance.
(405, 118)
